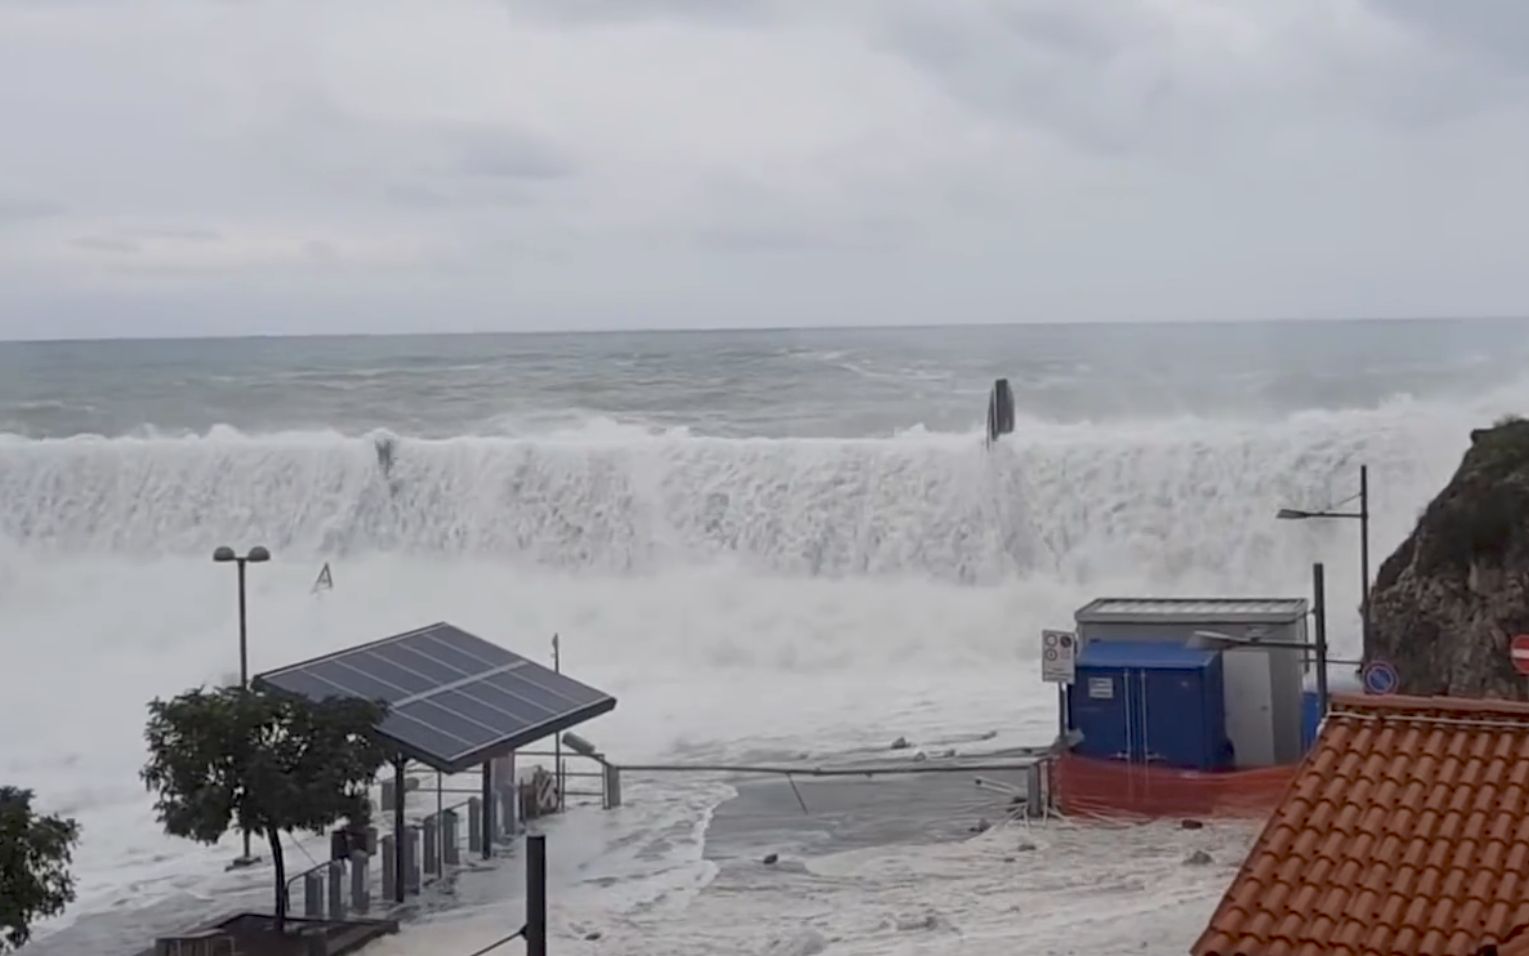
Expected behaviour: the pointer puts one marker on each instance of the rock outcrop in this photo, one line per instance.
(1447, 604)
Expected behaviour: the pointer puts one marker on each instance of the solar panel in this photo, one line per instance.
(454, 699)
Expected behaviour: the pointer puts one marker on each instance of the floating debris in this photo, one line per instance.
(901, 743)
(1198, 858)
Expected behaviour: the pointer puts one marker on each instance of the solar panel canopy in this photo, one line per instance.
(453, 699)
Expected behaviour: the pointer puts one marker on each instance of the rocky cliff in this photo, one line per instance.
(1446, 605)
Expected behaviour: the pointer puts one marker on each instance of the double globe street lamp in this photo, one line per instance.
(256, 555)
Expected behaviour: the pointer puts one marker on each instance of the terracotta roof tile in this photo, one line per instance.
(1404, 833)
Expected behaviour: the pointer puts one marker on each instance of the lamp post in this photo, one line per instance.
(256, 555)
(1363, 516)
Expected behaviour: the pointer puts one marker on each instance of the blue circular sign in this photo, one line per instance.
(1380, 678)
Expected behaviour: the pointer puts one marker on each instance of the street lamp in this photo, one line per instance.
(1363, 516)
(256, 555)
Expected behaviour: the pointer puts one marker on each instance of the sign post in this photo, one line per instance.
(1059, 665)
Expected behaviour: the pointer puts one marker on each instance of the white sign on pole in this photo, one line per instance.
(1059, 656)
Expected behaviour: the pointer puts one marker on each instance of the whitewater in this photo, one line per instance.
(779, 566)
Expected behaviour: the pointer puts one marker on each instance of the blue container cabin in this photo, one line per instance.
(1151, 702)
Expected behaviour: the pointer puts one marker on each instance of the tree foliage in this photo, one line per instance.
(34, 866)
(261, 762)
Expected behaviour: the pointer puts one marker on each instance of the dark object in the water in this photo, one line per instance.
(1191, 825)
(771, 859)
(981, 826)
(1198, 858)
(1000, 410)
(592, 936)
(901, 743)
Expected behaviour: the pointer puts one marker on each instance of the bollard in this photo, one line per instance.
(506, 821)
(389, 872)
(313, 896)
(450, 853)
(474, 825)
(612, 786)
(360, 889)
(411, 858)
(337, 890)
(432, 862)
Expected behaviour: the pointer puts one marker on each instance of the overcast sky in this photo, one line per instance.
(232, 166)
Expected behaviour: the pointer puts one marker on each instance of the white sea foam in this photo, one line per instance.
(736, 594)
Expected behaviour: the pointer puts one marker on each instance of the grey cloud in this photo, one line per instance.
(1498, 27)
(106, 244)
(17, 208)
(506, 154)
(597, 11)
(173, 233)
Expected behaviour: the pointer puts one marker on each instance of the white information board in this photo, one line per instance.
(1059, 656)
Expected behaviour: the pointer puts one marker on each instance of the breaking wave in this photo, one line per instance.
(1172, 500)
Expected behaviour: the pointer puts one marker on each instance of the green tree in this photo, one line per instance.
(261, 762)
(34, 866)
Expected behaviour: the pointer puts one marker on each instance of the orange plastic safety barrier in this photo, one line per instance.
(1086, 787)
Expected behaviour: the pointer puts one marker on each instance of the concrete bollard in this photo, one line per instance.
(612, 786)
(474, 825)
(411, 858)
(389, 870)
(451, 853)
(360, 882)
(313, 896)
(506, 816)
(336, 891)
(432, 861)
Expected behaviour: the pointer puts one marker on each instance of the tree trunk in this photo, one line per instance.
(281, 879)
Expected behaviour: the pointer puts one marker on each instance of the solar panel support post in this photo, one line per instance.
(401, 877)
(557, 740)
(488, 809)
(536, 895)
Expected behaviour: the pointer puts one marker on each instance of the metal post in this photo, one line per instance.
(536, 895)
(557, 739)
(313, 896)
(1319, 603)
(244, 666)
(360, 864)
(390, 854)
(474, 825)
(488, 809)
(451, 854)
(412, 856)
(1364, 557)
(244, 658)
(336, 891)
(432, 862)
(400, 876)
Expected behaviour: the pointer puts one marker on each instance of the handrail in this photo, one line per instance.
(287, 887)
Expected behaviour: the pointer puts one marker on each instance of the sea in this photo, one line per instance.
(793, 544)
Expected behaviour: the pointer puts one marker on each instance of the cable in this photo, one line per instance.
(495, 945)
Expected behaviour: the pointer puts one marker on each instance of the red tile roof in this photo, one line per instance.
(1404, 833)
